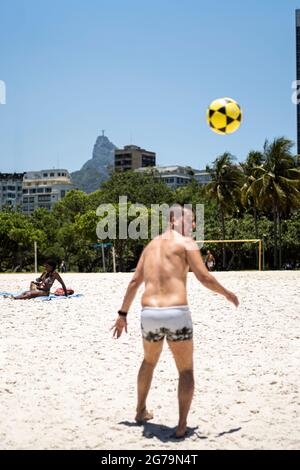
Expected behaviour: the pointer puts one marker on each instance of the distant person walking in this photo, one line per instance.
(210, 261)
(63, 267)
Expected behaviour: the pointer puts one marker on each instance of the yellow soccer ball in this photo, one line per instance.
(224, 116)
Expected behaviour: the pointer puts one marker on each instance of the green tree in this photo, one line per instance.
(275, 186)
(17, 235)
(249, 199)
(75, 202)
(226, 180)
(139, 187)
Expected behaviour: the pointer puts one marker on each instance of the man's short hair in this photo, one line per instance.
(177, 210)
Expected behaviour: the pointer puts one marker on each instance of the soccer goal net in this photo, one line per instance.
(234, 253)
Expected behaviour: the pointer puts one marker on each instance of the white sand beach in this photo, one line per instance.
(66, 384)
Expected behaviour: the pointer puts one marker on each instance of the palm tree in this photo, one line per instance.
(224, 187)
(275, 185)
(248, 197)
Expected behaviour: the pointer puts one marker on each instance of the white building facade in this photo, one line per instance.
(177, 176)
(44, 188)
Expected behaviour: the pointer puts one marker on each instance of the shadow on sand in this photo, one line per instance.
(163, 433)
(167, 434)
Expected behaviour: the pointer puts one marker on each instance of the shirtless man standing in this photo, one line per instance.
(163, 267)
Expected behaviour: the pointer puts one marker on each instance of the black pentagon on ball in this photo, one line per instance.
(222, 110)
(229, 120)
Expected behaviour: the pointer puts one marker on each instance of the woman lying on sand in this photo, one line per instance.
(43, 284)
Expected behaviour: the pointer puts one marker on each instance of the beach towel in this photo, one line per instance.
(10, 293)
(58, 297)
(46, 297)
(60, 291)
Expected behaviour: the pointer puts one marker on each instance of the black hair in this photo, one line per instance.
(51, 263)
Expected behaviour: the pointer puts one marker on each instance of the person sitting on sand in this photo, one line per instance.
(42, 285)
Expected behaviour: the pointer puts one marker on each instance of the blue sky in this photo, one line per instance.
(145, 72)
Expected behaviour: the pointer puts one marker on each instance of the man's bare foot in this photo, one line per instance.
(143, 415)
(180, 431)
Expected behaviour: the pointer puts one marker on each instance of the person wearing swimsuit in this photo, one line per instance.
(163, 267)
(42, 285)
(210, 261)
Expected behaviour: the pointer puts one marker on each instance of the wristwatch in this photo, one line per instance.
(122, 314)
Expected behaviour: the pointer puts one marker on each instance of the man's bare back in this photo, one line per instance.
(165, 269)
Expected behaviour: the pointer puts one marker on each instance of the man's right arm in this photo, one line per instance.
(203, 275)
(131, 291)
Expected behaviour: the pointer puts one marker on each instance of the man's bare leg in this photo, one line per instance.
(183, 355)
(152, 352)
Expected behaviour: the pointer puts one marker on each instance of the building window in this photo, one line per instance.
(45, 175)
(25, 191)
(40, 190)
(58, 174)
(52, 174)
(62, 193)
(148, 160)
(44, 198)
(48, 190)
(32, 191)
